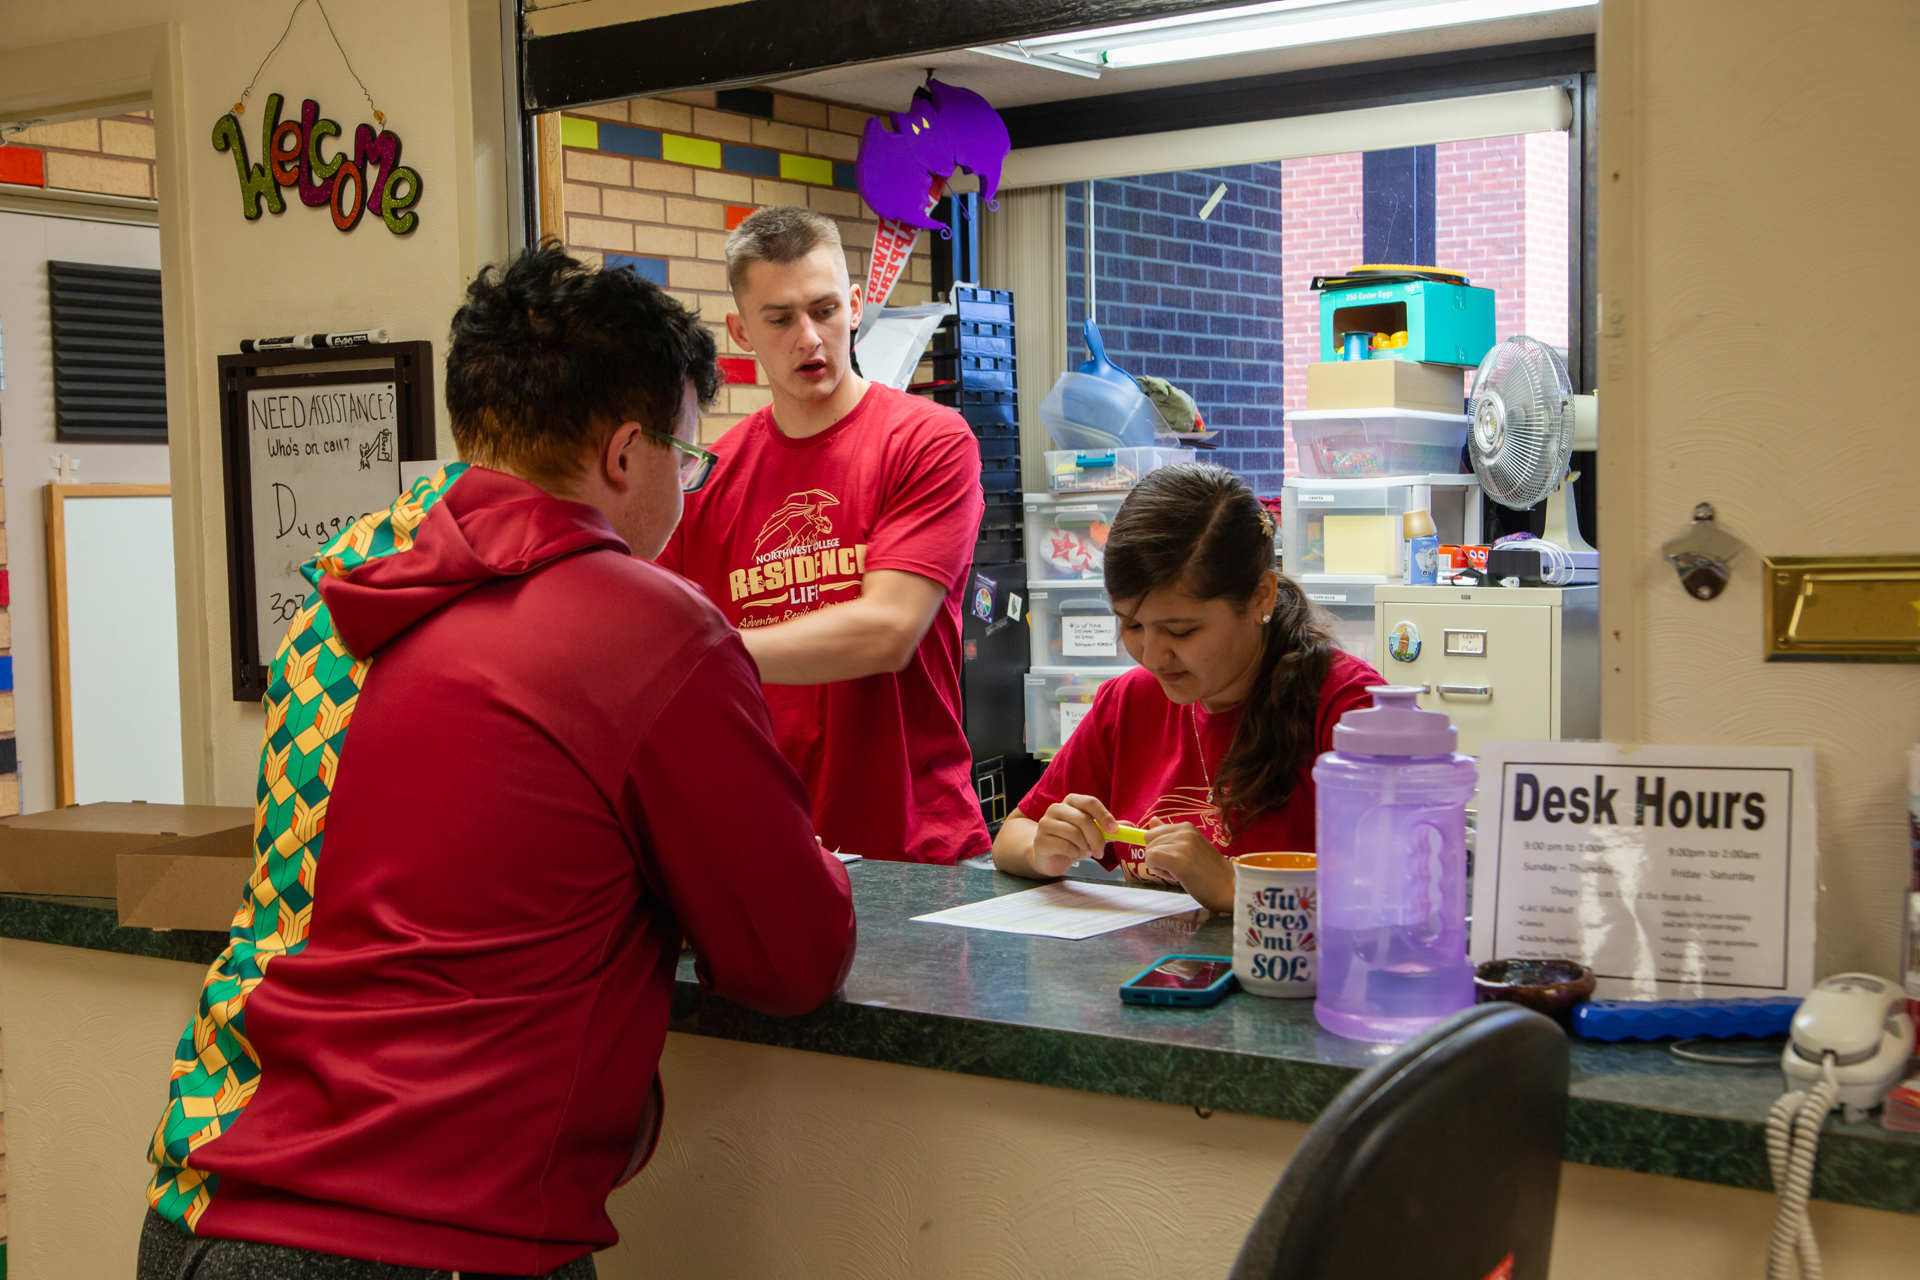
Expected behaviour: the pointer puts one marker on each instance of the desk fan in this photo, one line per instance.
(1527, 423)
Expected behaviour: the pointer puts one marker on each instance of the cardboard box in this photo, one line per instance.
(159, 888)
(75, 852)
(1385, 384)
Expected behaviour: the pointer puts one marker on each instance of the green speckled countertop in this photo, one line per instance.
(1046, 1012)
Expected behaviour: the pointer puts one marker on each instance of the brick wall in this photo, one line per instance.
(112, 156)
(1545, 158)
(1481, 193)
(1320, 219)
(1503, 221)
(1196, 303)
(654, 184)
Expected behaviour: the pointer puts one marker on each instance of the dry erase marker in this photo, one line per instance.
(354, 338)
(292, 342)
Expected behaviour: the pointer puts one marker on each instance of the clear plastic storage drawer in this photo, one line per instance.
(1074, 627)
(1337, 443)
(1082, 470)
(1057, 700)
(1067, 536)
(1351, 606)
(1352, 528)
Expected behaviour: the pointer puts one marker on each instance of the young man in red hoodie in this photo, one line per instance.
(431, 1046)
(848, 494)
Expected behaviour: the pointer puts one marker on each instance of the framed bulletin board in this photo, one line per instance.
(116, 662)
(312, 441)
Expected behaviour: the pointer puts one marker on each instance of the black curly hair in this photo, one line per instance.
(548, 356)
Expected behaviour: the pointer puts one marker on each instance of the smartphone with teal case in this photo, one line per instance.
(1189, 981)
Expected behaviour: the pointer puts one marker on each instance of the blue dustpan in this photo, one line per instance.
(1097, 363)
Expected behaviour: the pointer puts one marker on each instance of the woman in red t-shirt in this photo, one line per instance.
(1209, 744)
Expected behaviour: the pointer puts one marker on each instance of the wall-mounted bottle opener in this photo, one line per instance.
(1701, 554)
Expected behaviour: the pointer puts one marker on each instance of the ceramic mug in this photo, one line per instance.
(1275, 917)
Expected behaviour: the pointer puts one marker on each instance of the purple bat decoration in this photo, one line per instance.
(945, 127)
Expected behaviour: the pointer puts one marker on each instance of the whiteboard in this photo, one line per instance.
(123, 661)
(321, 457)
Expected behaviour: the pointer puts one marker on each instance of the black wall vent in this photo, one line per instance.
(109, 358)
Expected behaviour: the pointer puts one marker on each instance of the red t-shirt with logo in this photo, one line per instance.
(1141, 755)
(786, 527)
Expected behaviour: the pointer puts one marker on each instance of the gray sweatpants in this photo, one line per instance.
(168, 1253)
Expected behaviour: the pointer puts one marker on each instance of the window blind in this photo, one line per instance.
(1405, 124)
(109, 357)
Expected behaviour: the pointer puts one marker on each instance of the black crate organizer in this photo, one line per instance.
(974, 367)
(973, 373)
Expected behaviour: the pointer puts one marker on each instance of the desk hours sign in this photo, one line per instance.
(1676, 872)
(320, 458)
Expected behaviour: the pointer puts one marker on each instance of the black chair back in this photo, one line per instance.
(1441, 1162)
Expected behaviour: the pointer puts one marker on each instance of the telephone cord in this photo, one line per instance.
(1793, 1144)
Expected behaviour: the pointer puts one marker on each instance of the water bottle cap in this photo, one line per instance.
(1395, 726)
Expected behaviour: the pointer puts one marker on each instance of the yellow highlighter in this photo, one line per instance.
(1126, 833)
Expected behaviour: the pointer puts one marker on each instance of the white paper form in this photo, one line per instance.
(1096, 637)
(1070, 909)
(890, 347)
(1676, 872)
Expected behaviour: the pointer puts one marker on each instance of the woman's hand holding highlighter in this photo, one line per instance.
(1073, 829)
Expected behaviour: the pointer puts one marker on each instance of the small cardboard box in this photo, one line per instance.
(75, 852)
(160, 888)
(1385, 384)
(1444, 323)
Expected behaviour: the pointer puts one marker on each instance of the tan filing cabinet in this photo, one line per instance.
(1506, 663)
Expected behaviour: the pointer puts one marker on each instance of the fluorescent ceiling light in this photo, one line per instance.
(1254, 28)
(1051, 61)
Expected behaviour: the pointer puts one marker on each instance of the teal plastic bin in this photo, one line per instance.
(1444, 323)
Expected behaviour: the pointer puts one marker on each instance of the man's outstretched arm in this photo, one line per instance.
(876, 633)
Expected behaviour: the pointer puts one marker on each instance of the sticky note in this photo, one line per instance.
(1360, 545)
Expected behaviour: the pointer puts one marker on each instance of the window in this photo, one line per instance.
(1221, 307)
(109, 358)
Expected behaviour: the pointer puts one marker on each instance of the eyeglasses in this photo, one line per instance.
(696, 463)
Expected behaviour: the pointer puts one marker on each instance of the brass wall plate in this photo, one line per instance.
(1843, 608)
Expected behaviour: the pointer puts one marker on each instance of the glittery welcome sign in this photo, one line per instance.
(371, 180)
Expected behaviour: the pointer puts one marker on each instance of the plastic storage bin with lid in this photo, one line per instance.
(1082, 470)
(1074, 626)
(1349, 443)
(1066, 536)
(1057, 700)
(1352, 528)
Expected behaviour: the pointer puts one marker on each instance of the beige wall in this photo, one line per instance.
(1758, 179)
(226, 278)
(778, 1164)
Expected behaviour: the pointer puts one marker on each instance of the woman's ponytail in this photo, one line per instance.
(1278, 729)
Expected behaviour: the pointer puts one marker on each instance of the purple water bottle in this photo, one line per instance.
(1391, 801)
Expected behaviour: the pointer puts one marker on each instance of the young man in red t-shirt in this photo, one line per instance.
(847, 494)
